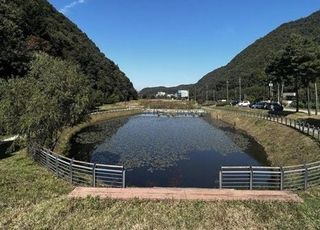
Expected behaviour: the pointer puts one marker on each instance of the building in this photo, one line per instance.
(160, 94)
(183, 94)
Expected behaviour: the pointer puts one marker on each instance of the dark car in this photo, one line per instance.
(259, 105)
(275, 107)
(234, 102)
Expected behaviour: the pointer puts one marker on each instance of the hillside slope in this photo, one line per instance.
(251, 62)
(27, 26)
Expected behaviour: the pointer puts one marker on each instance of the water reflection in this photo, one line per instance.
(167, 151)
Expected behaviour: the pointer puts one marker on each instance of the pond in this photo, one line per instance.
(167, 151)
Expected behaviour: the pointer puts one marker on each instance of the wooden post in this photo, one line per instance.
(308, 128)
(94, 175)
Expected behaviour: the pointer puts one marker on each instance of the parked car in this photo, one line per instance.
(259, 105)
(275, 107)
(234, 102)
(244, 103)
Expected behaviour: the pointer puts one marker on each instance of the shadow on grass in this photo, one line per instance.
(7, 148)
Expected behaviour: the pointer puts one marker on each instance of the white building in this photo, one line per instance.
(183, 94)
(160, 94)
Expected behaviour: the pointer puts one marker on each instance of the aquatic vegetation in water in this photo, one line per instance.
(154, 142)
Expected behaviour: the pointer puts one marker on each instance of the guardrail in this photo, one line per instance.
(116, 110)
(275, 178)
(80, 172)
(301, 126)
(279, 178)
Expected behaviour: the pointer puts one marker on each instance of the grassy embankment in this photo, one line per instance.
(32, 198)
(283, 145)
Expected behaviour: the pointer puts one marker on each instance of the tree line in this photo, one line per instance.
(297, 65)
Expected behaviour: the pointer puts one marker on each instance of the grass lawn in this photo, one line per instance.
(32, 198)
(283, 145)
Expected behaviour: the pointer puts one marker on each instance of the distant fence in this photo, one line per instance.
(301, 126)
(263, 177)
(80, 172)
(117, 110)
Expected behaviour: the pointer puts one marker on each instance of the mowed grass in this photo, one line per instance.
(283, 145)
(32, 198)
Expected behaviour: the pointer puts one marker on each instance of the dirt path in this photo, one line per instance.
(185, 194)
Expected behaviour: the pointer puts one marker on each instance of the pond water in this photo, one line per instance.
(161, 150)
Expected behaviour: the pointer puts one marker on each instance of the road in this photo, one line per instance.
(300, 110)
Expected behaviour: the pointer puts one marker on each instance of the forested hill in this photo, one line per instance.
(152, 91)
(35, 25)
(251, 62)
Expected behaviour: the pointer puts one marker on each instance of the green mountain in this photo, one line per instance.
(249, 65)
(35, 25)
(152, 91)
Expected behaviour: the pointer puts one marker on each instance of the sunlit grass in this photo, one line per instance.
(32, 198)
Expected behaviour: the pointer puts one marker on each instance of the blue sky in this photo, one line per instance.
(171, 42)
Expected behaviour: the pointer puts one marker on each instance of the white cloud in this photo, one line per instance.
(66, 8)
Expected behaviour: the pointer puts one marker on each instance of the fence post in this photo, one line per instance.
(305, 177)
(308, 128)
(313, 129)
(71, 172)
(47, 159)
(290, 122)
(251, 177)
(281, 178)
(295, 124)
(124, 179)
(57, 162)
(220, 179)
(94, 175)
(318, 134)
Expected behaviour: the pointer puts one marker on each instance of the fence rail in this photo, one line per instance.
(277, 178)
(80, 172)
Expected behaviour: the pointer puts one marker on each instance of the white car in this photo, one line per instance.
(244, 103)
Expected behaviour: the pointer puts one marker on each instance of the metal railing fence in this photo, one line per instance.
(80, 172)
(277, 178)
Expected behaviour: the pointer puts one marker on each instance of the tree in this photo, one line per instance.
(14, 57)
(54, 95)
(300, 62)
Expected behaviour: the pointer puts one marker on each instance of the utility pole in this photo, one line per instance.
(206, 92)
(316, 94)
(271, 91)
(278, 92)
(239, 89)
(227, 90)
(195, 93)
